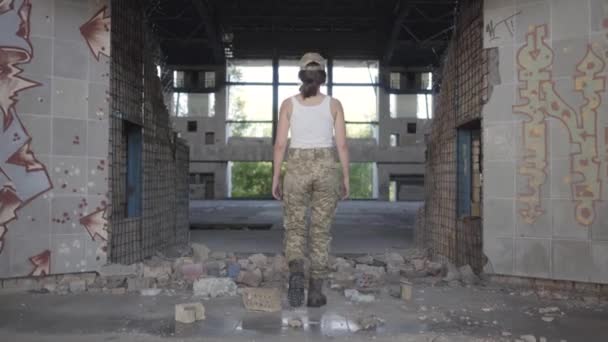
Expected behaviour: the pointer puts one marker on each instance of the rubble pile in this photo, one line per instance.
(211, 274)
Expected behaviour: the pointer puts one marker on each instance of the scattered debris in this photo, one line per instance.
(78, 286)
(214, 287)
(370, 322)
(295, 323)
(262, 299)
(189, 312)
(200, 252)
(547, 310)
(468, 276)
(406, 290)
(365, 260)
(259, 260)
(138, 284)
(528, 338)
(250, 278)
(358, 297)
(150, 292)
(548, 319)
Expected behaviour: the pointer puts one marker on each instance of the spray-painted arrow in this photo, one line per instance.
(96, 33)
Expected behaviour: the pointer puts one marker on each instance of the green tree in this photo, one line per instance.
(361, 180)
(251, 179)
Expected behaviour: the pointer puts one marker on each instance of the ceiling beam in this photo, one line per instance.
(404, 11)
(202, 8)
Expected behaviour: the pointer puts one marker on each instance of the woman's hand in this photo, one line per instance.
(276, 189)
(346, 189)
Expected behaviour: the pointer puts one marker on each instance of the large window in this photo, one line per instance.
(249, 98)
(193, 104)
(412, 105)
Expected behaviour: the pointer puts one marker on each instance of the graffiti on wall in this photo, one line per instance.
(24, 177)
(539, 101)
(96, 33)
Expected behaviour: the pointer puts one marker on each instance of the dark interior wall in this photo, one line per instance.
(459, 102)
(149, 164)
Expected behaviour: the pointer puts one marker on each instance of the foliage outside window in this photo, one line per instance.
(361, 180)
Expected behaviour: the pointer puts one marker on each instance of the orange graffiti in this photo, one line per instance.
(541, 100)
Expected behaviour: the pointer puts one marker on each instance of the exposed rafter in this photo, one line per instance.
(214, 43)
(404, 11)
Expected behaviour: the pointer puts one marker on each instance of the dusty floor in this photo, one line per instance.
(359, 226)
(434, 314)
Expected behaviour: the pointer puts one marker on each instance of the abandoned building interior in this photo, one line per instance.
(136, 156)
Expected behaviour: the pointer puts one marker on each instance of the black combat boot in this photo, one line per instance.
(316, 298)
(295, 293)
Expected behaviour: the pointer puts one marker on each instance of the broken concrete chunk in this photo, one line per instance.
(158, 269)
(468, 276)
(342, 265)
(77, 286)
(189, 312)
(370, 322)
(393, 258)
(419, 264)
(216, 268)
(259, 260)
(452, 273)
(138, 284)
(262, 299)
(214, 287)
(358, 297)
(250, 278)
(528, 338)
(218, 255)
(192, 272)
(550, 309)
(406, 290)
(365, 260)
(150, 292)
(295, 323)
(200, 252)
(434, 268)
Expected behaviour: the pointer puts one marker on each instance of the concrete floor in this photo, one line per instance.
(434, 314)
(359, 226)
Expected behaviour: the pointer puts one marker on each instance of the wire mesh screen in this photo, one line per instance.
(137, 99)
(459, 101)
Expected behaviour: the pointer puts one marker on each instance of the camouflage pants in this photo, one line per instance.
(313, 181)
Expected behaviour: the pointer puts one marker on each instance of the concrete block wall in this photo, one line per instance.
(545, 140)
(53, 136)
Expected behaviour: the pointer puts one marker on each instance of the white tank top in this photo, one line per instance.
(312, 126)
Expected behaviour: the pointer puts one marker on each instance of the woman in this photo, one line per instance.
(313, 179)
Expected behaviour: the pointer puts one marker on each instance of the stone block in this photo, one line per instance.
(259, 260)
(112, 270)
(216, 268)
(137, 284)
(218, 255)
(189, 312)
(262, 299)
(250, 278)
(162, 269)
(200, 252)
(192, 272)
(215, 287)
(78, 286)
(406, 290)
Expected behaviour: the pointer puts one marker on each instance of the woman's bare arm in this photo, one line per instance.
(341, 144)
(280, 145)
